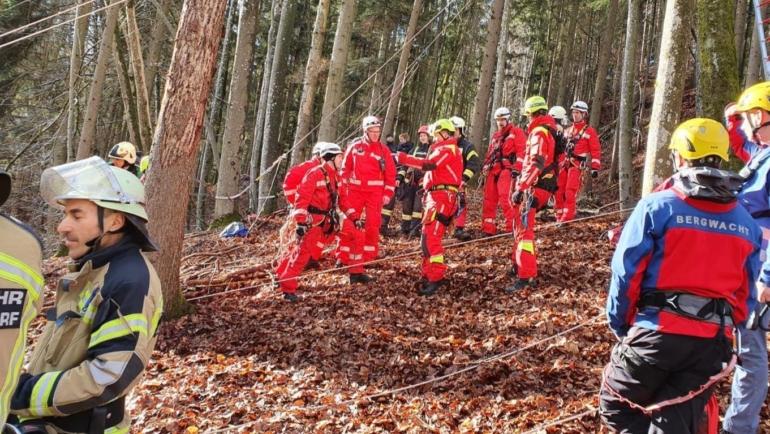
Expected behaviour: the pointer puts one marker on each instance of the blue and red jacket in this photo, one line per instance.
(690, 238)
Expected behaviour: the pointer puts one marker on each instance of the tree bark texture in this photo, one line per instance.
(177, 136)
(626, 121)
(335, 82)
(603, 66)
(718, 83)
(564, 64)
(158, 34)
(235, 126)
(63, 154)
(741, 12)
(140, 85)
(97, 85)
(669, 89)
(481, 105)
(502, 54)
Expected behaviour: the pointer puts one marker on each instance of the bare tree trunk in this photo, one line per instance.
(129, 103)
(669, 89)
(374, 101)
(481, 106)
(158, 34)
(604, 61)
(97, 84)
(140, 86)
(310, 83)
(626, 121)
(395, 94)
(755, 69)
(234, 136)
(177, 136)
(271, 149)
(564, 66)
(502, 54)
(741, 12)
(259, 124)
(718, 72)
(63, 154)
(329, 115)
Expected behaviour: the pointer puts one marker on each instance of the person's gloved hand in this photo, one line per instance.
(517, 197)
(385, 200)
(515, 174)
(301, 229)
(359, 224)
(594, 173)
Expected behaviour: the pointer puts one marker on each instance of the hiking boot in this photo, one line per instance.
(461, 235)
(290, 296)
(361, 278)
(387, 232)
(312, 265)
(432, 287)
(520, 284)
(513, 271)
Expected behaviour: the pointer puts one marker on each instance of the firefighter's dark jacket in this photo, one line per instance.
(96, 343)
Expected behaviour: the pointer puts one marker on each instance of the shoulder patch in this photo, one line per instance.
(11, 307)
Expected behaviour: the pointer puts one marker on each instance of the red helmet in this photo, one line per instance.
(423, 129)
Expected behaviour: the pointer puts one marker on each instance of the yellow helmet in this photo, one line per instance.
(443, 124)
(698, 138)
(123, 151)
(534, 104)
(755, 97)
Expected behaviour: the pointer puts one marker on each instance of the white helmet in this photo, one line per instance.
(580, 105)
(503, 113)
(123, 151)
(318, 147)
(557, 112)
(457, 121)
(327, 148)
(370, 121)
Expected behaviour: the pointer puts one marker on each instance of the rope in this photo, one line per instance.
(26, 26)
(542, 428)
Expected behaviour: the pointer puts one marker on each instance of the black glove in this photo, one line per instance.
(301, 229)
(594, 173)
(514, 174)
(359, 224)
(518, 197)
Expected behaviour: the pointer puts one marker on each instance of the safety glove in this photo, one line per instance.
(594, 173)
(515, 174)
(359, 224)
(517, 197)
(301, 229)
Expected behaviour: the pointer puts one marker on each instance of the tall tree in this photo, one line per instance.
(176, 138)
(481, 106)
(669, 89)
(626, 120)
(97, 84)
(235, 126)
(62, 155)
(564, 66)
(271, 149)
(398, 85)
(502, 54)
(741, 13)
(160, 26)
(755, 68)
(603, 66)
(718, 83)
(310, 82)
(339, 60)
(140, 84)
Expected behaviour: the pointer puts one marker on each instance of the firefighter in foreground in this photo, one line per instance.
(369, 181)
(443, 175)
(315, 211)
(410, 179)
(102, 329)
(582, 153)
(21, 294)
(683, 276)
(471, 165)
(533, 188)
(748, 124)
(124, 156)
(502, 166)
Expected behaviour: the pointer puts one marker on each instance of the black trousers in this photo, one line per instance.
(411, 208)
(649, 367)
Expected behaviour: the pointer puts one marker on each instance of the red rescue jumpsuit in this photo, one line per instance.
(505, 153)
(368, 178)
(293, 178)
(538, 169)
(443, 173)
(587, 147)
(313, 202)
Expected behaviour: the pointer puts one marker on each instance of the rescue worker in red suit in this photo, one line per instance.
(443, 175)
(291, 182)
(471, 165)
(501, 165)
(583, 152)
(369, 180)
(315, 212)
(683, 277)
(533, 189)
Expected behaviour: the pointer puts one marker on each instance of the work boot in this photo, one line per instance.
(513, 271)
(361, 278)
(387, 232)
(290, 296)
(461, 235)
(520, 284)
(432, 287)
(312, 264)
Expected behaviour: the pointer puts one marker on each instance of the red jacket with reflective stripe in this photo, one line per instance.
(295, 176)
(313, 191)
(587, 143)
(506, 149)
(362, 170)
(447, 157)
(541, 146)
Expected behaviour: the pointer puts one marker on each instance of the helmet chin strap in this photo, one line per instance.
(93, 245)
